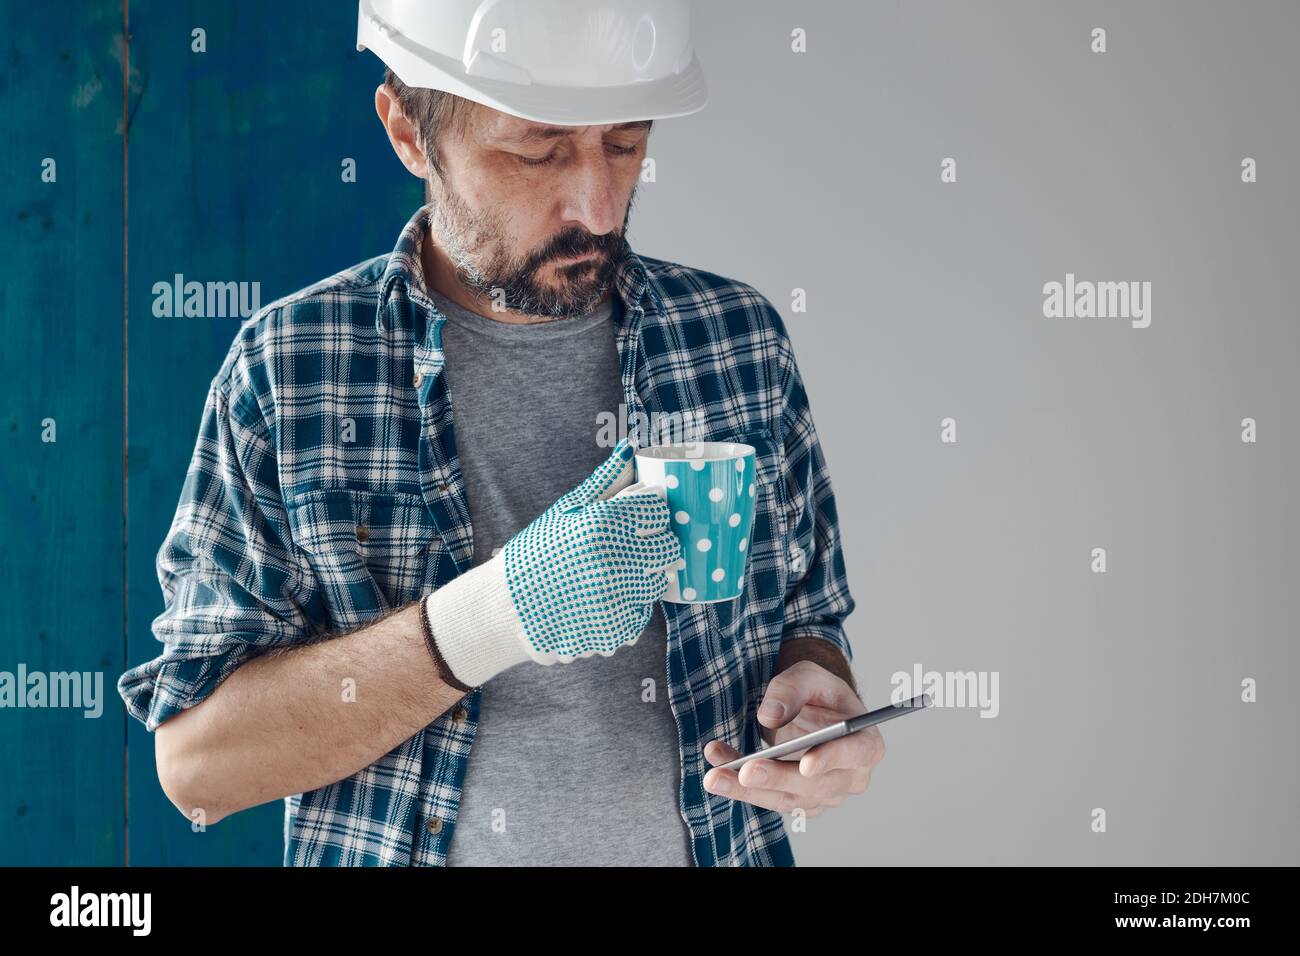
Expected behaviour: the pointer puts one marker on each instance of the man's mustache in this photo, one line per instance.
(576, 243)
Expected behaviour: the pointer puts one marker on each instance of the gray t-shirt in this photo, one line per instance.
(573, 764)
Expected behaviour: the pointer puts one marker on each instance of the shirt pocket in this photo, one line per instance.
(371, 551)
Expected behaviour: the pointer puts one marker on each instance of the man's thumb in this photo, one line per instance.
(610, 477)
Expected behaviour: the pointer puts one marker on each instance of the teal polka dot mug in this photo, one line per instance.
(710, 488)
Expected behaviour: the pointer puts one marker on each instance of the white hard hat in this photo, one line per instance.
(563, 62)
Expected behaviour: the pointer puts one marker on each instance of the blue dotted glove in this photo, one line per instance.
(580, 579)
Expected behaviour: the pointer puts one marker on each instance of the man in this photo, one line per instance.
(411, 589)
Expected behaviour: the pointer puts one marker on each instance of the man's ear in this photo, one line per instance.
(401, 133)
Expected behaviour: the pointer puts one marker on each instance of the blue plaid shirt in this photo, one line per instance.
(325, 491)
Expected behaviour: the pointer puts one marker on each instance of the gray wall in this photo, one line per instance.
(1120, 690)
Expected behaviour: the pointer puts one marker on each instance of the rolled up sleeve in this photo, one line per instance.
(817, 596)
(232, 585)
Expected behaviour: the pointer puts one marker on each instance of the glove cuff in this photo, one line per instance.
(472, 628)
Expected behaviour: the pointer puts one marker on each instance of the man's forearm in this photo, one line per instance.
(820, 652)
(297, 719)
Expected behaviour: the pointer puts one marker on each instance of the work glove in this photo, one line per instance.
(580, 579)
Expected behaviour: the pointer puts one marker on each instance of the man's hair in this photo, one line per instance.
(431, 112)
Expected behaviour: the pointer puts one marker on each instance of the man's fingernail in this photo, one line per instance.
(720, 785)
(773, 710)
(758, 776)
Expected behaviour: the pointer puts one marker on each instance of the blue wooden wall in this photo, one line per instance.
(223, 166)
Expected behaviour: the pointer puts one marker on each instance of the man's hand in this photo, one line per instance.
(581, 579)
(803, 698)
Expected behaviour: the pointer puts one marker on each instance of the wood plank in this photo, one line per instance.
(61, 308)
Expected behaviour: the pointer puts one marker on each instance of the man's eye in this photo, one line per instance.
(614, 148)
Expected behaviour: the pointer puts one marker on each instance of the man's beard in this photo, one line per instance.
(476, 245)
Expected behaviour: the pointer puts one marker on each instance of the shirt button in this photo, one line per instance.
(419, 377)
(458, 716)
(434, 825)
(363, 533)
(444, 487)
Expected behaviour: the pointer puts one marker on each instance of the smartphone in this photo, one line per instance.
(834, 731)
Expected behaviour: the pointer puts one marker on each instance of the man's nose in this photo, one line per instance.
(591, 194)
